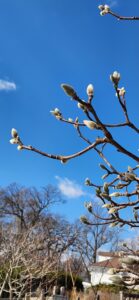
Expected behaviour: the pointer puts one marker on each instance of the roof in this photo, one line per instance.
(108, 254)
(109, 263)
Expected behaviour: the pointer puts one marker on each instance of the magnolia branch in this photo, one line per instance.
(132, 18)
(63, 158)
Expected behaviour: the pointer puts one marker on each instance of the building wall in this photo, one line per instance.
(102, 258)
(100, 275)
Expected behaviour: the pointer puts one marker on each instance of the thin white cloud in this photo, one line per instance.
(113, 3)
(6, 85)
(69, 188)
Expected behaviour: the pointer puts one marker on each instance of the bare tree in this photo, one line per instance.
(27, 205)
(22, 265)
(32, 257)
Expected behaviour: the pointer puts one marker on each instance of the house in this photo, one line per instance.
(99, 271)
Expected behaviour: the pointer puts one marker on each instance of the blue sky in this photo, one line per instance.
(43, 44)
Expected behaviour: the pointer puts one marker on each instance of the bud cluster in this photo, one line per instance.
(104, 9)
(56, 112)
(16, 139)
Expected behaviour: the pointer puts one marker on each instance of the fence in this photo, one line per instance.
(119, 296)
(101, 296)
(56, 297)
(127, 296)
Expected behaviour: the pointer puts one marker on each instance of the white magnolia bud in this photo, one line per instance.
(88, 206)
(106, 187)
(122, 92)
(56, 112)
(90, 124)
(104, 176)
(107, 205)
(58, 117)
(84, 220)
(106, 7)
(19, 147)
(113, 210)
(130, 176)
(14, 133)
(104, 12)
(101, 7)
(115, 77)
(69, 90)
(106, 196)
(113, 224)
(115, 194)
(82, 106)
(90, 90)
(64, 161)
(70, 120)
(87, 181)
(14, 141)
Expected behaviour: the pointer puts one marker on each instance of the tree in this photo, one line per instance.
(24, 265)
(31, 258)
(27, 205)
(91, 238)
(125, 183)
(32, 240)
